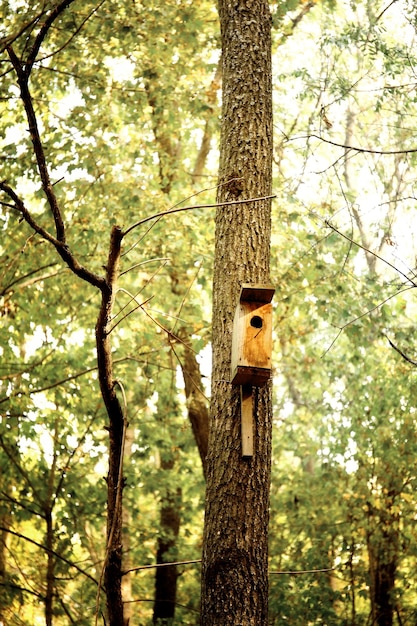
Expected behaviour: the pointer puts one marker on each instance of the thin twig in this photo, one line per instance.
(400, 352)
(355, 148)
(43, 31)
(355, 319)
(304, 571)
(366, 250)
(142, 263)
(191, 208)
(193, 195)
(73, 35)
(288, 572)
(138, 306)
(49, 551)
(156, 565)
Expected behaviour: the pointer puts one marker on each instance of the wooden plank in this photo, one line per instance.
(246, 407)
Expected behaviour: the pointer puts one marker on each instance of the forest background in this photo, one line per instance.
(127, 96)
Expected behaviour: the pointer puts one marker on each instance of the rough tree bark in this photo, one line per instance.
(235, 549)
(112, 574)
(383, 544)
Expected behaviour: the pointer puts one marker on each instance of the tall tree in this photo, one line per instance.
(235, 550)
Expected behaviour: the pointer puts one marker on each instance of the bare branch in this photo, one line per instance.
(307, 6)
(384, 10)
(355, 148)
(73, 35)
(191, 562)
(22, 78)
(49, 551)
(197, 206)
(10, 39)
(355, 319)
(22, 283)
(366, 250)
(61, 247)
(400, 352)
(43, 31)
(193, 195)
(156, 565)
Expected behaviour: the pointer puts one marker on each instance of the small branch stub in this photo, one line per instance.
(251, 352)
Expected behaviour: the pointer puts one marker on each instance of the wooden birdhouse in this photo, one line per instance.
(252, 336)
(251, 353)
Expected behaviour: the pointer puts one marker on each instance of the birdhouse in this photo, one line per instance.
(252, 336)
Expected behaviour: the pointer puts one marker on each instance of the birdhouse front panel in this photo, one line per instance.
(252, 338)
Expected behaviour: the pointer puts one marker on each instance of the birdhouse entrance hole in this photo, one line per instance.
(256, 321)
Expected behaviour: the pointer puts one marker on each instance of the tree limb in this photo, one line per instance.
(366, 250)
(400, 352)
(22, 79)
(43, 31)
(355, 148)
(49, 551)
(7, 41)
(61, 247)
(197, 206)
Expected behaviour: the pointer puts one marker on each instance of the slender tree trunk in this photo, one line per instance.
(205, 145)
(50, 567)
(128, 600)
(5, 523)
(49, 538)
(235, 549)
(117, 425)
(166, 577)
(170, 519)
(197, 404)
(383, 550)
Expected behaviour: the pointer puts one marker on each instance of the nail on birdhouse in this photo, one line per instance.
(251, 351)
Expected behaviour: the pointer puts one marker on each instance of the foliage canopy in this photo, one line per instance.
(126, 96)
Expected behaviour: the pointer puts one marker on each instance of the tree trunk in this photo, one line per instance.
(166, 577)
(117, 426)
(50, 574)
(197, 405)
(383, 550)
(49, 537)
(205, 145)
(127, 596)
(235, 548)
(5, 523)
